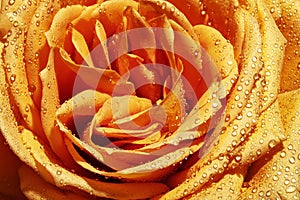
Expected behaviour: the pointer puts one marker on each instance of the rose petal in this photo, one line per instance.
(142, 76)
(263, 175)
(148, 7)
(268, 133)
(191, 59)
(191, 9)
(9, 113)
(16, 75)
(107, 81)
(100, 52)
(227, 187)
(222, 16)
(109, 156)
(34, 187)
(226, 142)
(82, 48)
(49, 104)
(57, 32)
(212, 41)
(272, 56)
(111, 14)
(144, 39)
(120, 107)
(286, 15)
(5, 25)
(50, 170)
(85, 22)
(36, 56)
(142, 172)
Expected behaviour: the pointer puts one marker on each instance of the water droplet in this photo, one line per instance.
(240, 88)
(58, 172)
(258, 152)
(163, 5)
(27, 108)
(287, 168)
(197, 121)
(195, 184)
(237, 97)
(238, 158)
(298, 66)
(227, 118)
(13, 78)
(292, 160)
(31, 88)
(249, 114)
(172, 9)
(275, 178)
(20, 129)
(290, 147)
(217, 42)
(11, 2)
(286, 182)
(196, 53)
(290, 189)
(215, 104)
(272, 144)
(16, 23)
(282, 154)
(234, 143)
(185, 192)
(256, 76)
(44, 110)
(37, 23)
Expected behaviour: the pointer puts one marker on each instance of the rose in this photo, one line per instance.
(244, 135)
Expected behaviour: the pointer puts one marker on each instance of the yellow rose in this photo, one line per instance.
(126, 99)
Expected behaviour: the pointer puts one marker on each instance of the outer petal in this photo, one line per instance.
(51, 171)
(16, 71)
(276, 174)
(34, 187)
(287, 15)
(35, 54)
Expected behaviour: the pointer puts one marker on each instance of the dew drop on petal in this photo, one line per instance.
(290, 189)
(11, 2)
(292, 160)
(16, 23)
(172, 9)
(13, 78)
(272, 144)
(282, 154)
(163, 5)
(58, 172)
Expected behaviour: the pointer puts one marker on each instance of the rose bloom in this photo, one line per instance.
(124, 99)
